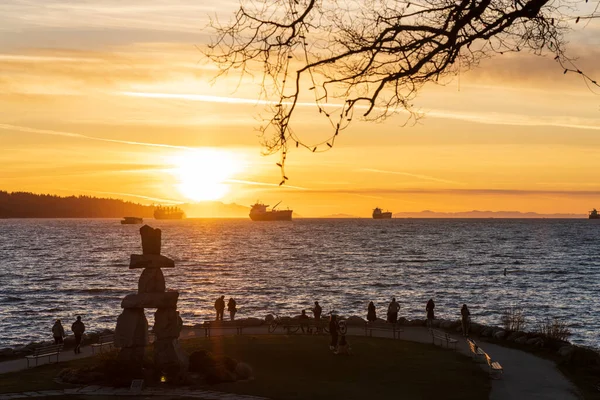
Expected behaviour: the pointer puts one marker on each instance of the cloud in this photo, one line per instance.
(460, 192)
(24, 129)
(418, 176)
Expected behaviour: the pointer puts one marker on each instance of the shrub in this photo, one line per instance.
(554, 328)
(513, 319)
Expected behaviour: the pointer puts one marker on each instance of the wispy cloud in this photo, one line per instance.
(480, 118)
(137, 196)
(418, 176)
(254, 183)
(25, 129)
(460, 192)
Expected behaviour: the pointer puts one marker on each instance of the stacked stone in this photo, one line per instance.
(131, 333)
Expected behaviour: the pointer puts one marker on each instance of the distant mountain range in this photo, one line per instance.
(483, 214)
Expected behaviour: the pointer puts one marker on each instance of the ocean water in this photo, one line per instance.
(62, 268)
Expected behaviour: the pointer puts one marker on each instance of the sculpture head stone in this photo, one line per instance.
(151, 240)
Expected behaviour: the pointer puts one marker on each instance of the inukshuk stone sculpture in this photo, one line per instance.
(131, 334)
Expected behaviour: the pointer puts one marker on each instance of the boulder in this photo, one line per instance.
(201, 361)
(152, 280)
(166, 323)
(566, 351)
(499, 334)
(435, 323)
(514, 336)
(355, 321)
(446, 324)
(487, 332)
(243, 371)
(269, 318)
(151, 239)
(132, 329)
(476, 328)
(252, 322)
(532, 341)
(150, 261)
(7, 352)
(151, 300)
(521, 339)
(402, 321)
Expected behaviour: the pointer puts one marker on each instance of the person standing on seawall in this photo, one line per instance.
(231, 307)
(393, 309)
(371, 313)
(333, 331)
(465, 320)
(58, 332)
(78, 328)
(430, 316)
(220, 307)
(317, 311)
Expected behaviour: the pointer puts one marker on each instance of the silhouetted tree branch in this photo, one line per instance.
(371, 57)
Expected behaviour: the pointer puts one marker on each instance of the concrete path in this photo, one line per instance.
(525, 376)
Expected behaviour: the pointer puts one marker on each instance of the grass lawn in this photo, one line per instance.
(302, 367)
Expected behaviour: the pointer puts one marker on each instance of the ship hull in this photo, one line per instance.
(283, 215)
(594, 216)
(385, 215)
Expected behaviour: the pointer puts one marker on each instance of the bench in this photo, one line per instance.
(476, 351)
(208, 326)
(396, 331)
(45, 351)
(103, 340)
(443, 337)
(495, 368)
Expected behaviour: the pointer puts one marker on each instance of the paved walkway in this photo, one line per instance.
(525, 376)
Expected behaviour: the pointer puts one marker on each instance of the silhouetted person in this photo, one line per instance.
(317, 311)
(392, 314)
(504, 271)
(231, 307)
(333, 332)
(430, 315)
(343, 346)
(303, 321)
(58, 332)
(465, 320)
(371, 313)
(220, 307)
(78, 328)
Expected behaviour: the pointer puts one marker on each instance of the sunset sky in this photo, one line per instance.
(113, 100)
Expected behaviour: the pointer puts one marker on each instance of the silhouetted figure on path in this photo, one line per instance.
(78, 328)
(304, 321)
(344, 346)
(371, 313)
(231, 307)
(333, 332)
(220, 307)
(430, 315)
(58, 332)
(465, 320)
(392, 313)
(317, 311)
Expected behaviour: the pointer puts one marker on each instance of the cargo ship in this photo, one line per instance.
(161, 212)
(132, 221)
(259, 212)
(379, 214)
(594, 214)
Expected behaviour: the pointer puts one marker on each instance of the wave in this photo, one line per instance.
(11, 299)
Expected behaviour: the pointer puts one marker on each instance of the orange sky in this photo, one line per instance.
(107, 100)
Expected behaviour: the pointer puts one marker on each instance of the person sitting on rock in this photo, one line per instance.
(231, 307)
(78, 328)
(371, 313)
(220, 307)
(343, 346)
(304, 321)
(58, 332)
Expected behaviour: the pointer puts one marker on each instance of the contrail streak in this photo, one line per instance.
(424, 177)
(80, 136)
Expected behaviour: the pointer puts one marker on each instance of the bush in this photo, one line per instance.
(513, 319)
(554, 329)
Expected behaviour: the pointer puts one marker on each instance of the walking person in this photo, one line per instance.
(231, 307)
(58, 332)
(371, 313)
(465, 320)
(430, 315)
(393, 309)
(220, 307)
(78, 328)
(333, 331)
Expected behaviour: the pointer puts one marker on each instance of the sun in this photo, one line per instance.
(202, 174)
